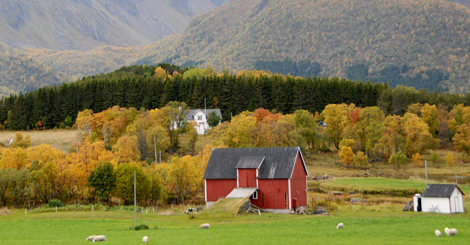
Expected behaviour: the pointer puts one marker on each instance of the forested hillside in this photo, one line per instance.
(414, 37)
(22, 73)
(150, 87)
(87, 24)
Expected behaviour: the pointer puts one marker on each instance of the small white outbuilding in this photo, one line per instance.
(440, 198)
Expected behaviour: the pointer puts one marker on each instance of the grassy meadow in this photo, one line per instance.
(360, 227)
(61, 139)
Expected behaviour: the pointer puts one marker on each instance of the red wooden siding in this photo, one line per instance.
(247, 177)
(218, 188)
(298, 184)
(272, 194)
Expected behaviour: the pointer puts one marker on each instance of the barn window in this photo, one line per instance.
(199, 118)
(255, 195)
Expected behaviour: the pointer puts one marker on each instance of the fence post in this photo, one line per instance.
(26, 211)
(92, 209)
(56, 208)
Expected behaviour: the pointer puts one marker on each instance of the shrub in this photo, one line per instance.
(140, 227)
(55, 203)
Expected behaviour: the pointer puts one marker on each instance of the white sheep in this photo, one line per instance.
(453, 232)
(145, 239)
(90, 238)
(99, 238)
(438, 233)
(205, 226)
(339, 226)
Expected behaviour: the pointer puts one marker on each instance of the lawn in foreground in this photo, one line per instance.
(360, 228)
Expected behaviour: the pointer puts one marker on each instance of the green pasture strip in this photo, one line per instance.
(360, 228)
(387, 186)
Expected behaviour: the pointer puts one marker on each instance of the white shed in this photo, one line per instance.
(440, 198)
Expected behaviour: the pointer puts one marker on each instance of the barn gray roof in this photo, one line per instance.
(440, 190)
(278, 162)
(190, 115)
(250, 162)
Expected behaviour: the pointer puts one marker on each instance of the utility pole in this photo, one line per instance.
(426, 169)
(456, 181)
(135, 203)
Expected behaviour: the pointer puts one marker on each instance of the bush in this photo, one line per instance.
(55, 203)
(140, 227)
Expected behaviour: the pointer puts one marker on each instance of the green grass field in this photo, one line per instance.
(360, 228)
(380, 184)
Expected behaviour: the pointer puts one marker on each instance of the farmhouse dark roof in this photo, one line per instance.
(278, 162)
(440, 190)
(190, 115)
(250, 162)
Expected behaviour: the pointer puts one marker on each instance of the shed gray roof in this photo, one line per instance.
(278, 162)
(440, 190)
(190, 115)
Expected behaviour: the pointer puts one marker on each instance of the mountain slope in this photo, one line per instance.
(431, 35)
(22, 73)
(86, 24)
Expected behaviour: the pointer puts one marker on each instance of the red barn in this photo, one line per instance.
(274, 178)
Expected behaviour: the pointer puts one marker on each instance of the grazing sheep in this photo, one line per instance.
(99, 238)
(438, 233)
(90, 238)
(145, 239)
(453, 232)
(340, 225)
(205, 226)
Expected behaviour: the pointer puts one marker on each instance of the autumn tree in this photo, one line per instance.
(398, 159)
(19, 141)
(416, 134)
(125, 183)
(392, 140)
(434, 158)
(103, 180)
(346, 154)
(183, 177)
(174, 120)
(157, 140)
(450, 159)
(417, 160)
(462, 138)
(126, 150)
(361, 160)
(192, 136)
(305, 125)
(429, 114)
(337, 119)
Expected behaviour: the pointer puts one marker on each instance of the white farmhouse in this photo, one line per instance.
(200, 116)
(440, 198)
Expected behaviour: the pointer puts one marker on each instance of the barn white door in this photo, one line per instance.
(456, 204)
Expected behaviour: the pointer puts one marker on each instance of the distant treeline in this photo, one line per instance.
(303, 68)
(394, 76)
(137, 86)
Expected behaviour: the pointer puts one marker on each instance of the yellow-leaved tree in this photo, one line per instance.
(183, 177)
(417, 136)
(337, 119)
(417, 160)
(450, 159)
(346, 154)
